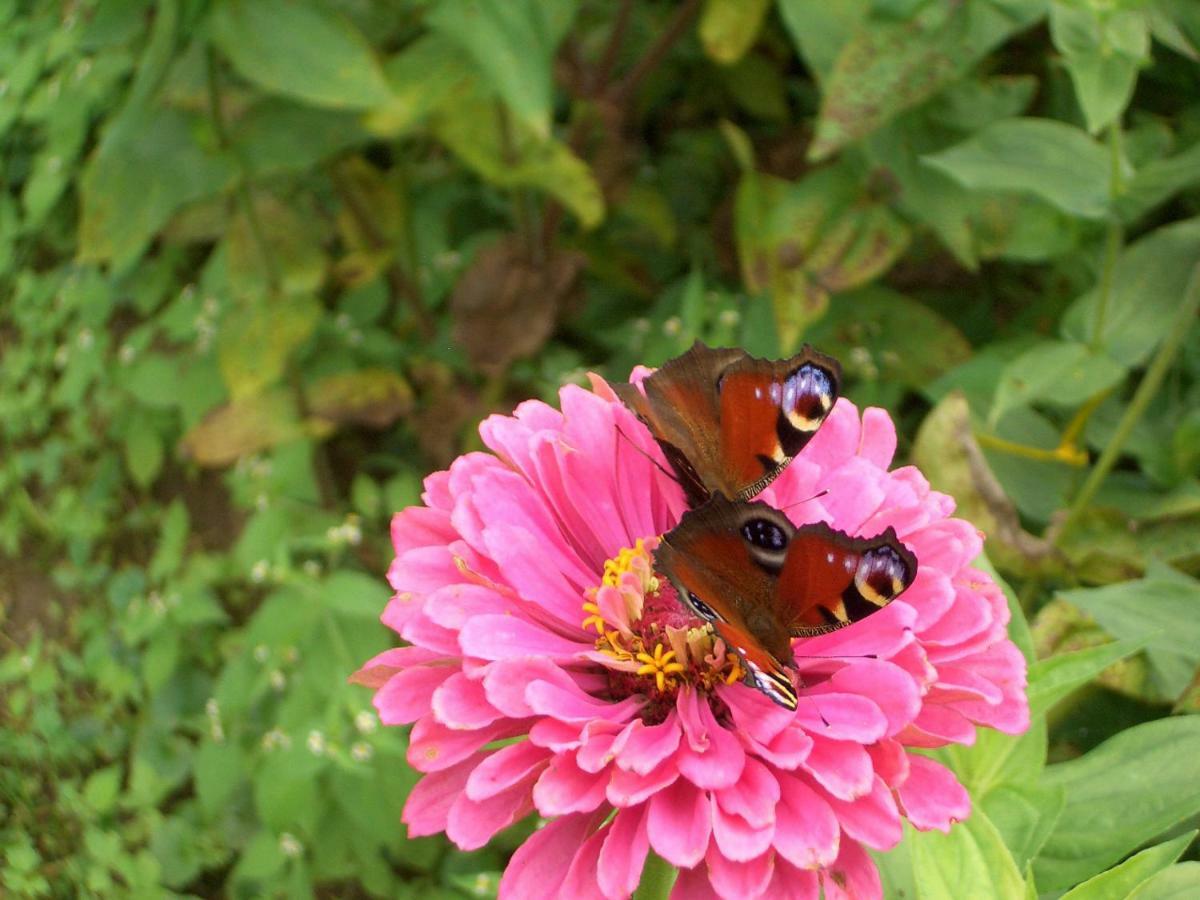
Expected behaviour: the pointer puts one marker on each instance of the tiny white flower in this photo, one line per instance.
(259, 572)
(278, 680)
(262, 653)
(85, 339)
(311, 568)
(26, 663)
(218, 733)
(343, 321)
(673, 326)
(61, 355)
(290, 655)
(211, 306)
(729, 317)
(212, 708)
(289, 846)
(261, 502)
(316, 743)
(361, 751)
(366, 722)
(82, 69)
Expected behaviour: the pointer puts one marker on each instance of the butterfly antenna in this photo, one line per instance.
(815, 496)
(653, 461)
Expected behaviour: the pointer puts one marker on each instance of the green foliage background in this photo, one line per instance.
(264, 263)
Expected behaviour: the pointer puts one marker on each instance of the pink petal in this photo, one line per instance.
(503, 637)
(507, 766)
(736, 838)
(693, 884)
(679, 824)
(644, 747)
(433, 747)
(629, 789)
(407, 696)
(506, 680)
(540, 865)
(376, 671)
(877, 443)
(872, 819)
(787, 750)
(937, 726)
(806, 830)
(853, 876)
(791, 883)
(472, 823)
(887, 686)
(565, 788)
(460, 703)
(582, 880)
(932, 797)
(429, 802)
(739, 880)
(840, 716)
(569, 704)
(710, 756)
(841, 767)
(890, 761)
(754, 796)
(624, 853)
(419, 526)
(754, 713)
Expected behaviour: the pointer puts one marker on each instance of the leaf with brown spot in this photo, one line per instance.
(505, 305)
(373, 397)
(244, 427)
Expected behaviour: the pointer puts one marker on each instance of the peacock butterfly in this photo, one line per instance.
(729, 422)
(760, 581)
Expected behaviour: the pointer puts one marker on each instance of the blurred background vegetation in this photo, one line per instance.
(265, 263)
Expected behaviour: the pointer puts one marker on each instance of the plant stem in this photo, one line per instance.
(1145, 392)
(1063, 453)
(656, 52)
(658, 877)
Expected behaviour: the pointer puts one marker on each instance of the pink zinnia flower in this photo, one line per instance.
(551, 670)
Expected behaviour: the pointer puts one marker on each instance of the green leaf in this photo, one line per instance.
(300, 50)
(285, 789)
(145, 168)
(1123, 793)
(802, 241)
(1103, 49)
(219, 770)
(1051, 160)
(510, 154)
(973, 853)
(1025, 816)
(1052, 679)
(1121, 880)
(1178, 882)
(354, 594)
(1059, 373)
(101, 789)
(887, 67)
(1149, 279)
(1158, 610)
(172, 540)
(374, 397)
(143, 447)
(728, 28)
(258, 338)
(513, 43)
(273, 250)
(279, 135)
(243, 427)
(261, 859)
(424, 76)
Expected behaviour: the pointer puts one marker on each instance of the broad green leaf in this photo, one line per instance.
(261, 859)
(1059, 373)
(219, 770)
(273, 250)
(509, 154)
(354, 594)
(279, 135)
(728, 28)
(887, 67)
(820, 29)
(973, 853)
(1121, 880)
(1054, 678)
(800, 242)
(143, 447)
(1051, 160)
(243, 427)
(259, 337)
(905, 341)
(1123, 793)
(101, 789)
(1103, 49)
(1178, 882)
(423, 76)
(145, 168)
(513, 43)
(300, 50)
(285, 788)
(1158, 610)
(1024, 815)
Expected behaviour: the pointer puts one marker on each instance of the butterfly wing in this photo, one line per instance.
(830, 580)
(729, 422)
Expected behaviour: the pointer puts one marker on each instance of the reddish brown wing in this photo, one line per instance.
(830, 580)
(729, 422)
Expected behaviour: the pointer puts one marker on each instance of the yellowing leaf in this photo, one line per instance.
(242, 428)
(728, 28)
(375, 397)
(257, 339)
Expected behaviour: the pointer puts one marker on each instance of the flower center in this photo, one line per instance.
(651, 643)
